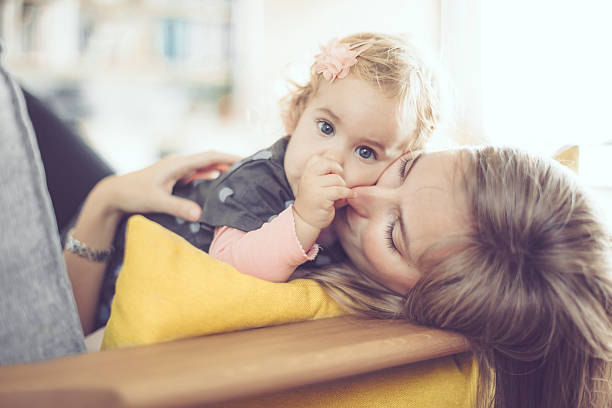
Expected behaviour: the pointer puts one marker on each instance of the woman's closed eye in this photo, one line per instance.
(326, 128)
(405, 164)
(389, 236)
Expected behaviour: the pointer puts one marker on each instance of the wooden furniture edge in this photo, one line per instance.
(227, 366)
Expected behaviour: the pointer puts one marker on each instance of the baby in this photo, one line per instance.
(369, 99)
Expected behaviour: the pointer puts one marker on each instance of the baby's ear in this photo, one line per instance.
(292, 109)
(568, 156)
(290, 120)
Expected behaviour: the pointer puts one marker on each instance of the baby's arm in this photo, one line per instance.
(321, 185)
(271, 252)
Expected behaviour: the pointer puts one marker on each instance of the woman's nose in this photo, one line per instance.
(369, 200)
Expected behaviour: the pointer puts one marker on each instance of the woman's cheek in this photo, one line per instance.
(371, 244)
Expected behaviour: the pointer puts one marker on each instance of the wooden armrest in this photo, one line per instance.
(217, 368)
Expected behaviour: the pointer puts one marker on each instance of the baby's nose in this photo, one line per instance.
(334, 155)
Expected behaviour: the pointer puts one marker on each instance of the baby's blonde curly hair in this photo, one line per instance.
(394, 65)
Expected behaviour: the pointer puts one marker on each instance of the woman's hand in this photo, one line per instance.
(150, 189)
(146, 190)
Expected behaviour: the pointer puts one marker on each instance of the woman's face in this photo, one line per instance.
(416, 202)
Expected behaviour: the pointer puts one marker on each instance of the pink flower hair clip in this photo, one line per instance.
(336, 58)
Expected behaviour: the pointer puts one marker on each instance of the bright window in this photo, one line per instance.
(546, 70)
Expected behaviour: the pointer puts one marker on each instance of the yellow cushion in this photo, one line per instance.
(168, 289)
(447, 382)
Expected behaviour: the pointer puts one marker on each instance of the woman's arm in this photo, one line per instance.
(146, 190)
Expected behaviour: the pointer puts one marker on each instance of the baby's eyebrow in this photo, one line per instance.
(331, 113)
(373, 142)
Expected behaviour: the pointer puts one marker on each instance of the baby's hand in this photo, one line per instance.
(321, 185)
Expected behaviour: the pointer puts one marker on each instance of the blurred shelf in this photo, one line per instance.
(179, 75)
(128, 75)
(180, 42)
(197, 10)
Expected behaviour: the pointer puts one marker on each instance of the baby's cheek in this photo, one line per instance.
(363, 175)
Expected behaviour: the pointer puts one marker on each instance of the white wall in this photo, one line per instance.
(532, 74)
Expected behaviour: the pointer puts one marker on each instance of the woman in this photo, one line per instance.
(492, 243)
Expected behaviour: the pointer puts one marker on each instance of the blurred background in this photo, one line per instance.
(139, 79)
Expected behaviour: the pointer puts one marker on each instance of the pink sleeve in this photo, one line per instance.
(271, 252)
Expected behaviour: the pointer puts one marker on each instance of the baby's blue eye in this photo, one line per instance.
(366, 153)
(326, 128)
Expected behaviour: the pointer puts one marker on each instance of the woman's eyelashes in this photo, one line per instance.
(404, 162)
(389, 236)
(326, 128)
